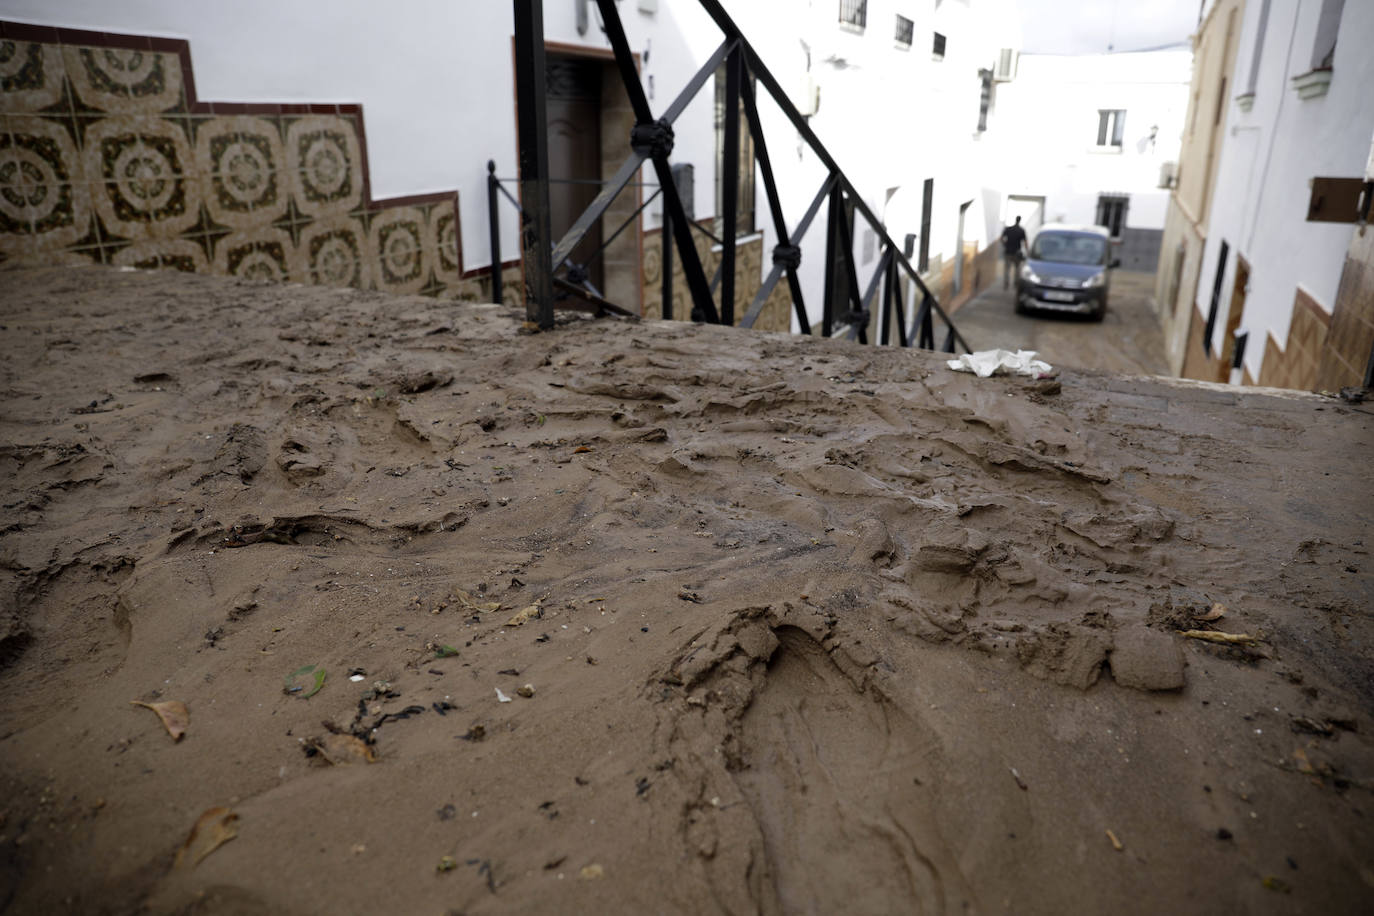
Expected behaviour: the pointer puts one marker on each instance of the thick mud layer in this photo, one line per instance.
(655, 617)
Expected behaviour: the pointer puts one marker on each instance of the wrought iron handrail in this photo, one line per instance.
(844, 309)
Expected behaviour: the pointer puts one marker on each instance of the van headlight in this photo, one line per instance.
(1095, 280)
(1029, 275)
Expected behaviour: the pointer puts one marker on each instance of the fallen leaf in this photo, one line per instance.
(529, 613)
(1225, 639)
(1217, 612)
(581, 449)
(173, 713)
(341, 750)
(316, 681)
(471, 604)
(213, 829)
(445, 651)
(593, 871)
(447, 863)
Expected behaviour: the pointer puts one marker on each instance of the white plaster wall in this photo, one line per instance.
(1050, 130)
(1260, 202)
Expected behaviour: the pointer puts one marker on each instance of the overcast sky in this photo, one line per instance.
(1089, 26)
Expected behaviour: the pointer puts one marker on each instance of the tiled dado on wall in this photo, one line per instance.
(777, 310)
(107, 156)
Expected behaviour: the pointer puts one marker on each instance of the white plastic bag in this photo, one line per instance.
(987, 363)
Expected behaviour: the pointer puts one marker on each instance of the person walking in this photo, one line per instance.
(1013, 250)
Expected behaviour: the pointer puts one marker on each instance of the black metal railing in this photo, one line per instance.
(845, 310)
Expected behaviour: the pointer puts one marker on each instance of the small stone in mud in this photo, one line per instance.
(1223, 833)
(526, 691)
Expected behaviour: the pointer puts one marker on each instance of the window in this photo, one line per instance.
(1111, 212)
(984, 99)
(905, 29)
(854, 12)
(744, 201)
(1328, 25)
(1216, 299)
(938, 51)
(1111, 127)
(927, 197)
(1260, 28)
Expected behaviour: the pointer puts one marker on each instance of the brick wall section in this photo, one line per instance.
(1295, 365)
(1351, 336)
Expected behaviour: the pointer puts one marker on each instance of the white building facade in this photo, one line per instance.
(1093, 139)
(1300, 108)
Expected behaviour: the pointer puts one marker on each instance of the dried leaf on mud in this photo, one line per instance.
(213, 829)
(471, 604)
(173, 713)
(529, 613)
(1225, 639)
(341, 750)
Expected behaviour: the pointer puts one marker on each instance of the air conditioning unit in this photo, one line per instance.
(1005, 70)
(1168, 174)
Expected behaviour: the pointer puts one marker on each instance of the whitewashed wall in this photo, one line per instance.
(1050, 130)
(1259, 205)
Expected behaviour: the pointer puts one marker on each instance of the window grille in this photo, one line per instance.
(939, 47)
(984, 99)
(854, 12)
(905, 29)
(1111, 212)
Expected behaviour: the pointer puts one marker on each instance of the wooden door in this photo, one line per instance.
(574, 115)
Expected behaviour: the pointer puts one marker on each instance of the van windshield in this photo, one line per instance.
(1069, 248)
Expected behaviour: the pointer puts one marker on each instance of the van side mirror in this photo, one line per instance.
(1116, 262)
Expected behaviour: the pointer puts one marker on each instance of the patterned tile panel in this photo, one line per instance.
(124, 80)
(107, 156)
(142, 177)
(242, 166)
(30, 76)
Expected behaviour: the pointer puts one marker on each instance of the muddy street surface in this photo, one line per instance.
(327, 601)
(1127, 340)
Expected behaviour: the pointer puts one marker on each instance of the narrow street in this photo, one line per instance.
(1127, 340)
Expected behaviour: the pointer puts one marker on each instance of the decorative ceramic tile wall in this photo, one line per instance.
(107, 156)
(777, 311)
(1296, 365)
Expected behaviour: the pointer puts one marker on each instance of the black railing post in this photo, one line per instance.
(887, 263)
(535, 229)
(667, 266)
(730, 188)
(898, 299)
(856, 309)
(832, 232)
(494, 224)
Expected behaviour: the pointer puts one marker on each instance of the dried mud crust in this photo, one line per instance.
(814, 626)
